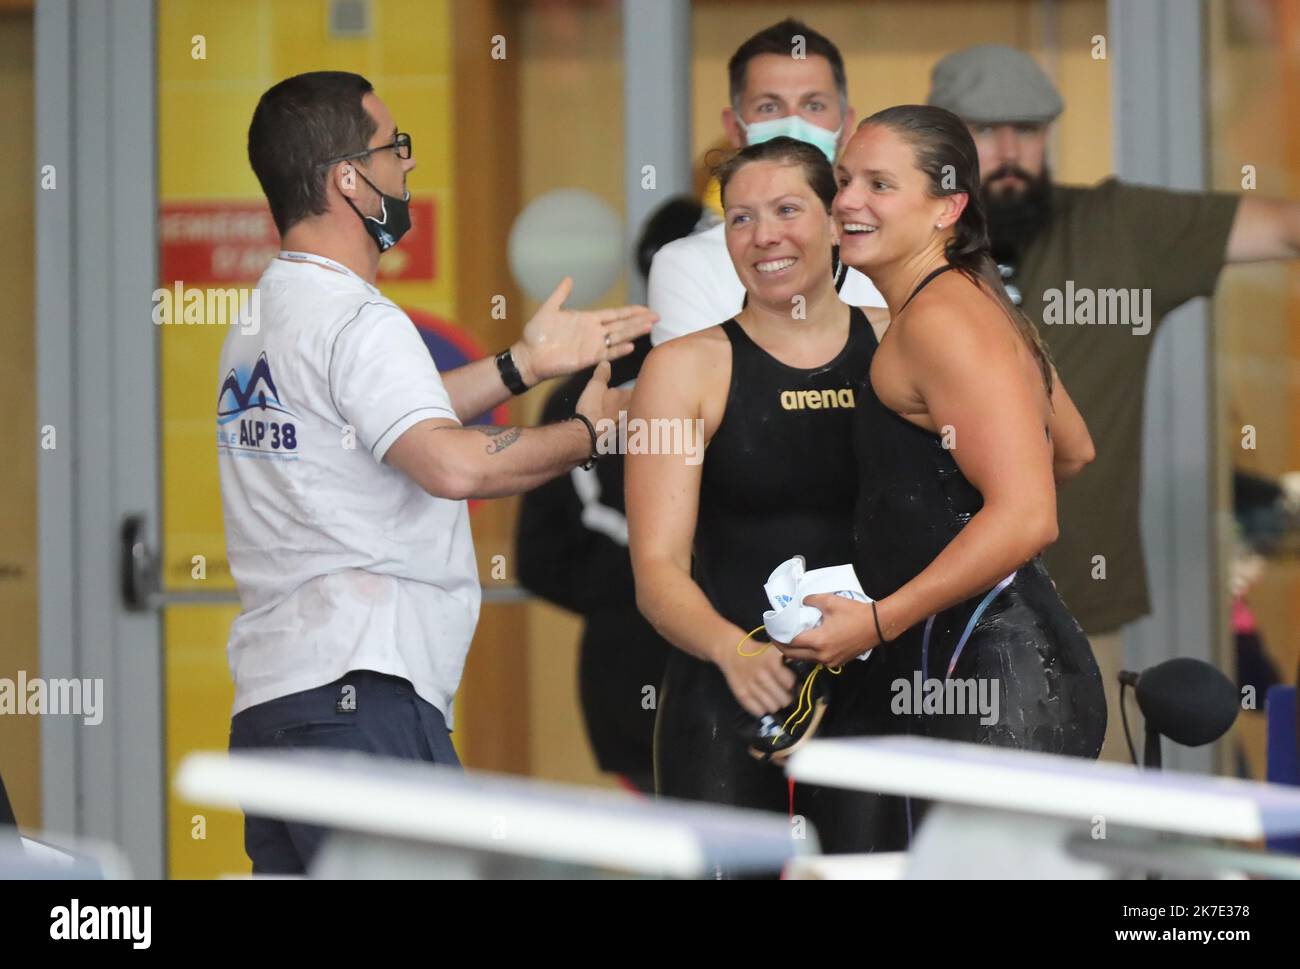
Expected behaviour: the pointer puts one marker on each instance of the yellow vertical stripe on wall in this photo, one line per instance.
(202, 841)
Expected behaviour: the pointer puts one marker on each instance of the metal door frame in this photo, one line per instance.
(97, 388)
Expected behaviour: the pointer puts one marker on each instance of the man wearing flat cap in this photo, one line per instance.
(1053, 239)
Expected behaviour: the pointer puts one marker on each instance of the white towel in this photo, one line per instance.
(789, 584)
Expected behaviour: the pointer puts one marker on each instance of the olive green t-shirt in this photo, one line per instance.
(1164, 248)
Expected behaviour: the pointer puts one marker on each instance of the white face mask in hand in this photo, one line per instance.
(789, 584)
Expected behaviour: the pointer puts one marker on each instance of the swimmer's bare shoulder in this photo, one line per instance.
(958, 317)
(957, 334)
(692, 373)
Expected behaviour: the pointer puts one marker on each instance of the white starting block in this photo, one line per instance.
(397, 819)
(59, 857)
(1002, 813)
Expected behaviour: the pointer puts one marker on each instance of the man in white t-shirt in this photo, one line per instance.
(785, 80)
(344, 463)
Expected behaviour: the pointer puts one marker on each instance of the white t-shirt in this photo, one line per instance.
(342, 562)
(693, 285)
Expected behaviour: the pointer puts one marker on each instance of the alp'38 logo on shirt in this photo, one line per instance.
(251, 418)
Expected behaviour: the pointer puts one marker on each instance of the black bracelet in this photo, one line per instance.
(591, 461)
(510, 373)
(877, 619)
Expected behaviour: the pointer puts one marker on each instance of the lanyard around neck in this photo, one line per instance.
(322, 261)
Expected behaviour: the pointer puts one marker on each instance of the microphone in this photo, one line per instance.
(1187, 700)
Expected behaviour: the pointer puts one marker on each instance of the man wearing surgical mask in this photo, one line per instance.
(785, 80)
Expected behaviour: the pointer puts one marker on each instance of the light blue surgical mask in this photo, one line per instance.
(793, 126)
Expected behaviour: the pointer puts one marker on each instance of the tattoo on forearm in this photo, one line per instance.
(502, 437)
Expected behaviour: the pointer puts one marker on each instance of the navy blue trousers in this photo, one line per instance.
(363, 711)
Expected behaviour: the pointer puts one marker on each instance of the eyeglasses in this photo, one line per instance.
(401, 144)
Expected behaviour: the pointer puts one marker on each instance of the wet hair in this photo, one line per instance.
(946, 153)
(780, 39)
(298, 124)
(816, 169)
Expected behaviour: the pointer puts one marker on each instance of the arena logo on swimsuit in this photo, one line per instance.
(816, 399)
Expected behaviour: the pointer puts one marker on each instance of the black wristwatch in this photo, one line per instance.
(510, 373)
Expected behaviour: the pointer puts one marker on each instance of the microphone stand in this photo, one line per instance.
(1151, 757)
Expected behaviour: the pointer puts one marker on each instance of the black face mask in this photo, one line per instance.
(396, 221)
(1014, 222)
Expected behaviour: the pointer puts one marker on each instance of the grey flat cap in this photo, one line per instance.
(994, 83)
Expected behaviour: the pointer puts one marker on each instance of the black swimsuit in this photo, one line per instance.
(1017, 639)
(778, 480)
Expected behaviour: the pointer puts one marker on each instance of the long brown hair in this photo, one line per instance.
(946, 153)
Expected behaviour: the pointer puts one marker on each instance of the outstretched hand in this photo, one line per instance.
(557, 341)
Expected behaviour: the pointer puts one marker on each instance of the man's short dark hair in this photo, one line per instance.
(780, 39)
(303, 121)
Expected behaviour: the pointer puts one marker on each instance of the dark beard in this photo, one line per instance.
(1014, 221)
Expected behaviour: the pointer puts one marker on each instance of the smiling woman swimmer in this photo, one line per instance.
(962, 430)
(774, 388)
